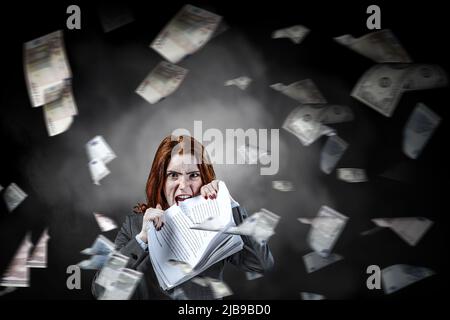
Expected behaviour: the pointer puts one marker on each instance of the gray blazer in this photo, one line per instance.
(254, 257)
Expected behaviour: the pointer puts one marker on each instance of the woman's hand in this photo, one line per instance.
(151, 215)
(210, 190)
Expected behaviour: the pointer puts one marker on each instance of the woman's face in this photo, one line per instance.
(183, 179)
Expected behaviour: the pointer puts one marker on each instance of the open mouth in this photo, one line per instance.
(182, 197)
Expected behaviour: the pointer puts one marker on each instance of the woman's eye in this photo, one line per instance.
(173, 175)
(195, 175)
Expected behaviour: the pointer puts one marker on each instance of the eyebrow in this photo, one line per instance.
(173, 171)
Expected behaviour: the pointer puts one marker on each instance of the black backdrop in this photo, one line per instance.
(108, 67)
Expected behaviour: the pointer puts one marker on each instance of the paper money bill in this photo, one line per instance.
(124, 286)
(324, 234)
(111, 269)
(253, 275)
(314, 262)
(331, 153)
(13, 196)
(311, 296)
(352, 175)
(17, 273)
(380, 46)
(179, 294)
(304, 91)
(101, 246)
(161, 82)
(260, 226)
(98, 170)
(283, 185)
(410, 229)
(96, 262)
(418, 130)
(219, 288)
(58, 114)
(381, 87)
(398, 276)
(186, 33)
(241, 82)
(38, 258)
(106, 224)
(296, 33)
(251, 154)
(114, 15)
(425, 76)
(7, 290)
(46, 67)
(97, 148)
(304, 123)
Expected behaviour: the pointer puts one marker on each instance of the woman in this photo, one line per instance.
(181, 169)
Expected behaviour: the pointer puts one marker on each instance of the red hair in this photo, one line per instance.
(156, 181)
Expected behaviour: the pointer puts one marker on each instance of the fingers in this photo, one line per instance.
(210, 190)
(156, 216)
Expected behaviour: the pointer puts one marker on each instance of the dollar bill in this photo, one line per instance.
(324, 234)
(111, 270)
(253, 275)
(7, 290)
(283, 185)
(410, 229)
(314, 262)
(260, 226)
(304, 123)
(380, 46)
(106, 224)
(399, 276)
(381, 87)
(17, 273)
(296, 33)
(304, 91)
(101, 246)
(58, 114)
(124, 286)
(331, 153)
(311, 296)
(38, 259)
(219, 288)
(187, 32)
(96, 262)
(98, 148)
(418, 130)
(98, 170)
(13, 196)
(161, 82)
(251, 154)
(352, 175)
(241, 82)
(46, 68)
(426, 76)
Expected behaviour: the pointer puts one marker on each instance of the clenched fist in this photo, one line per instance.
(154, 215)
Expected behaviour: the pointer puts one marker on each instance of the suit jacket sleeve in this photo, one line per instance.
(254, 257)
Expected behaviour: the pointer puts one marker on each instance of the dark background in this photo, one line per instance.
(108, 67)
